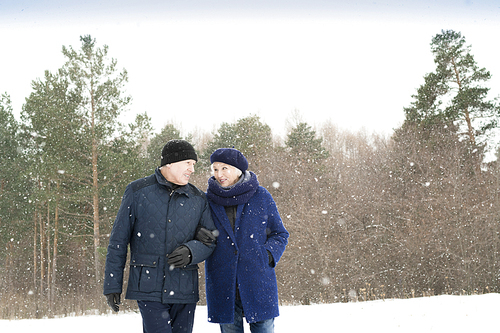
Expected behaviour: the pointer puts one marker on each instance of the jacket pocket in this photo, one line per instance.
(265, 258)
(189, 280)
(186, 281)
(143, 272)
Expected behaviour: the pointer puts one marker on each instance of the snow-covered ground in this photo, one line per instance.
(430, 314)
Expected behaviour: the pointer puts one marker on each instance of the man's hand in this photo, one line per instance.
(113, 301)
(205, 236)
(180, 257)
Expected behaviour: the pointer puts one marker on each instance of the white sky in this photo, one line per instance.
(200, 63)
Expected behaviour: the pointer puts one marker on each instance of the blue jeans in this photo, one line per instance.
(166, 318)
(265, 326)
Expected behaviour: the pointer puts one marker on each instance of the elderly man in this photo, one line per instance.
(167, 223)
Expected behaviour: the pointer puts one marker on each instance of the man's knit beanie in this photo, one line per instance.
(176, 151)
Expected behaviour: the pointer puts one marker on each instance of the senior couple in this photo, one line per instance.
(170, 226)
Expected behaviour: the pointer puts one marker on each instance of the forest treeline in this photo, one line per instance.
(370, 216)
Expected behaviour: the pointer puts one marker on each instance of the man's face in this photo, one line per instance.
(179, 172)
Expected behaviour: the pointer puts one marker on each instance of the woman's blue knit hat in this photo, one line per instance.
(230, 156)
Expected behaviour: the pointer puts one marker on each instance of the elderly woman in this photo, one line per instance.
(240, 276)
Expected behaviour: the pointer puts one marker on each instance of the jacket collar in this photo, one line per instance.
(182, 189)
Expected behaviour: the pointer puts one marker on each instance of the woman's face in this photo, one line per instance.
(225, 174)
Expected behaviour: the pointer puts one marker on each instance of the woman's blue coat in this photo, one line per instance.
(241, 257)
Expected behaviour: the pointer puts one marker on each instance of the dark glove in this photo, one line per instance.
(180, 257)
(271, 259)
(205, 236)
(113, 301)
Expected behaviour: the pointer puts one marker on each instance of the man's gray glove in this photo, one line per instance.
(180, 257)
(113, 301)
(205, 236)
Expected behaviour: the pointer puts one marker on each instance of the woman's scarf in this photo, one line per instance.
(236, 194)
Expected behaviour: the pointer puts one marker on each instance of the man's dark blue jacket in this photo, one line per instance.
(154, 219)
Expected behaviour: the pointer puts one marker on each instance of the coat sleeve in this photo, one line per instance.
(200, 251)
(277, 238)
(116, 256)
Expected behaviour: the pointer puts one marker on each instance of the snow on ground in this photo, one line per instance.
(476, 313)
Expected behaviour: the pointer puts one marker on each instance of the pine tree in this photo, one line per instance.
(304, 145)
(72, 116)
(13, 186)
(249, 135)
(455, 91)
